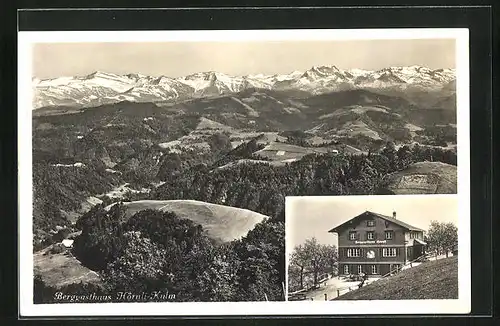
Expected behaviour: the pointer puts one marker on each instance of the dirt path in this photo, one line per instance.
(330, 288)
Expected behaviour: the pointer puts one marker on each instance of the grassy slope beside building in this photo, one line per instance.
(431, 280)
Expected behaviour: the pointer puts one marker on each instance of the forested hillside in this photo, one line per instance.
(159, 252)
(245, 150)
(262, 187)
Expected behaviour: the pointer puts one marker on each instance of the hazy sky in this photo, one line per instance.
(236, 58)
(313, 216)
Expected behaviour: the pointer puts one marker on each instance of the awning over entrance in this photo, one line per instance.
(419, 242)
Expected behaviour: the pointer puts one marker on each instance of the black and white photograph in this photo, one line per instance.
(372, 247)
(160, 162)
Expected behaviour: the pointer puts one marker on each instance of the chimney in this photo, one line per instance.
(394, 214)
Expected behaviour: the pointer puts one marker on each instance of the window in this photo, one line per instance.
(389, 252)
(360, 269)
(415, 235)
(370, 223)
(389, 235)
(346, 269)
(374, 269)
(352, 235)
(354, 252)
(370, 235)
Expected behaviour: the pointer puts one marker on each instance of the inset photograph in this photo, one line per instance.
(372, 247)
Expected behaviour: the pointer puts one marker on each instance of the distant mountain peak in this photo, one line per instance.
(101, 87)
(325, 67)
(99, 73)
(136, 75)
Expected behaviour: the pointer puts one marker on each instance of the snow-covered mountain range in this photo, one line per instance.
(101, 87)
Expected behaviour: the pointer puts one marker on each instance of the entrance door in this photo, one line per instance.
(409, 253)
(418, 250)
(384, 269)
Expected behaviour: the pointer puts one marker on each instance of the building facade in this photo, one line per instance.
(375, 244)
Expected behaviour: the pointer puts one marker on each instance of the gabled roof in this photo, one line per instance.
(385, 217)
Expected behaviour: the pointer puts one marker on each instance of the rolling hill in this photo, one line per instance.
(422, 178)
(144, 143)
(61, 269)
(276, 151)
(223, 223)
(349, 113)
(431, 280)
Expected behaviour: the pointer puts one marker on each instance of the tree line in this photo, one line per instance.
(308, 262)
(442, 238)
(262, 187)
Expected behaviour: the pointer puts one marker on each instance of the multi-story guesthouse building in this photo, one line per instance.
(375, 244)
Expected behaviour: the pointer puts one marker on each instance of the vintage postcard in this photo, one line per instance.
(154, 168)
